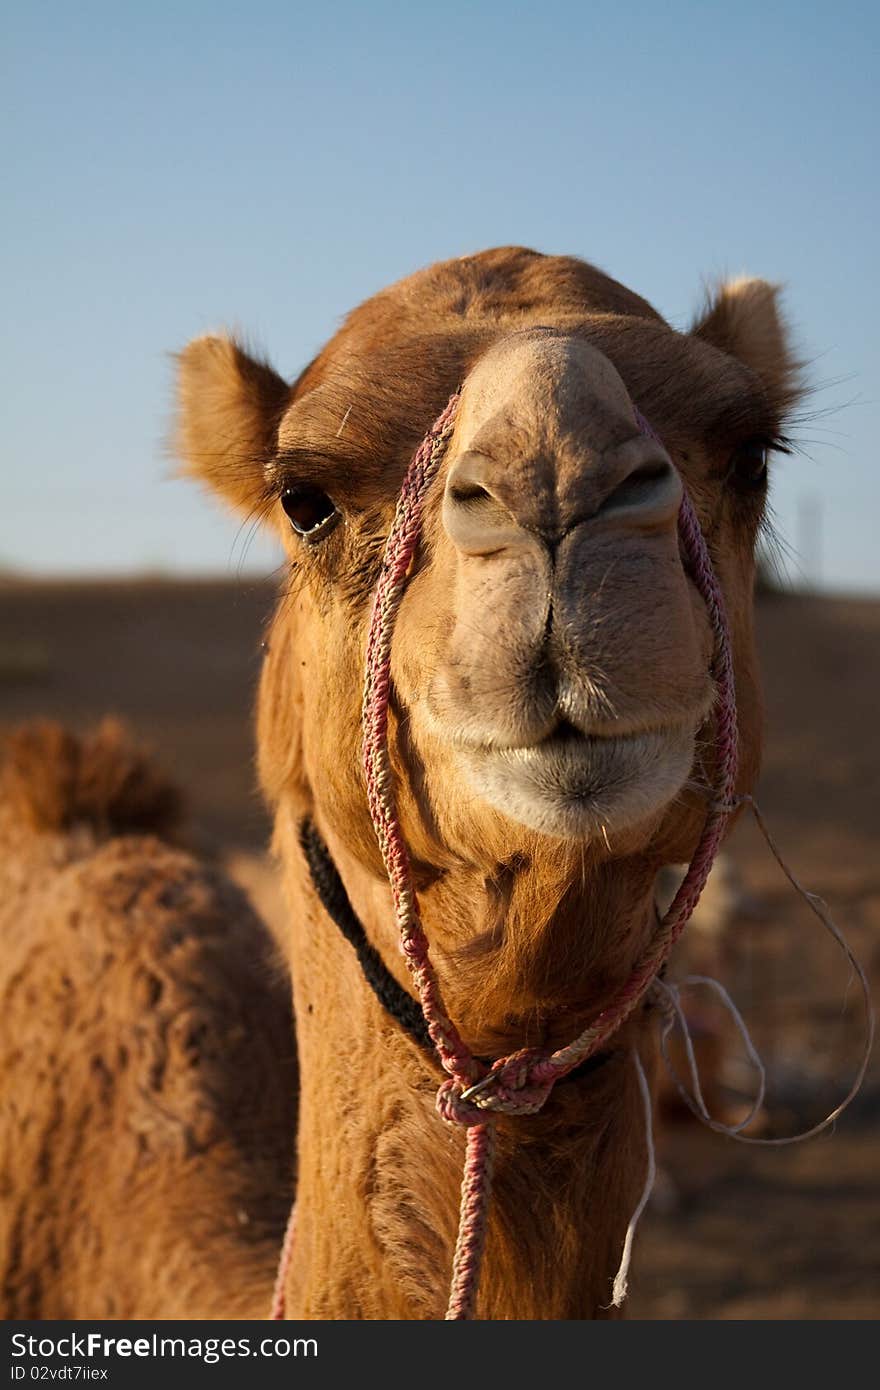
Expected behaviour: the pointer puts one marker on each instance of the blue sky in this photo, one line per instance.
(170, 169)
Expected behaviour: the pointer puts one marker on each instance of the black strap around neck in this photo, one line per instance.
(394, 999)
(331, 890)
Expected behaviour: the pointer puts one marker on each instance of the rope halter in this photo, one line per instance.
(472, 1094)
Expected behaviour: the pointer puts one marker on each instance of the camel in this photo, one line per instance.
(149, 1096)
(549, 734)
(548, 729)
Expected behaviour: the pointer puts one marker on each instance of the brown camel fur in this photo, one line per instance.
(550, 726)
(148, 1111)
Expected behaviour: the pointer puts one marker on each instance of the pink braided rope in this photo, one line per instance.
(473, 1220)
(276, 1312)
(399, 551)
(520, 1083)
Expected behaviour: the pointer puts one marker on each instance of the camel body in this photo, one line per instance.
(149, 1098)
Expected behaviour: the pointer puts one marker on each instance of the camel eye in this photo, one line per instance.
(748, 466)
(311, 513)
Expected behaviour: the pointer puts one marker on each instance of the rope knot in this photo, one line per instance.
(663, 997)
(515, 1085)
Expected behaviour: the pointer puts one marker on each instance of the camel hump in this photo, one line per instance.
(52, 780)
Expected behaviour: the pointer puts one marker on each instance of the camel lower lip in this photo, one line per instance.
(576, 787)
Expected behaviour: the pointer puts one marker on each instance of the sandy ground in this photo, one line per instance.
(736, 1232)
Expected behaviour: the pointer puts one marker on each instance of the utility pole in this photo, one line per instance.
(809, 540)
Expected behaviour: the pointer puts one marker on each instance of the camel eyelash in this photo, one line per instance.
(777, 444)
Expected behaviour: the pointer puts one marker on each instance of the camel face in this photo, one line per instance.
(570, 667)
(551, 657)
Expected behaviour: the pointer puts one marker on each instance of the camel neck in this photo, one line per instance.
(397, 1002)
(379, 1171)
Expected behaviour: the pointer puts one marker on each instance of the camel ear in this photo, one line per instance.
(743, 318)
(230, 407)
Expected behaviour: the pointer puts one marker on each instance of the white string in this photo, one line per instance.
(820, 909)
(695, 1101)
(669, 997)
(618, 1292)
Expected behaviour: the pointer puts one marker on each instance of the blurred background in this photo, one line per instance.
(172, 169)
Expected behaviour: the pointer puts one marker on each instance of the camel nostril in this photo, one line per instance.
(651, 491)
(476, 510)
(653, 472)
(464, 494)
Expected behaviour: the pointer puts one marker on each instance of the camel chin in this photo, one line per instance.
(577, 788)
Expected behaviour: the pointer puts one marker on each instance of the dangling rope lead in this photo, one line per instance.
(518, 1084)
(619, 1288)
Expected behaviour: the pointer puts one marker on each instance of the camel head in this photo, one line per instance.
(551, 657)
